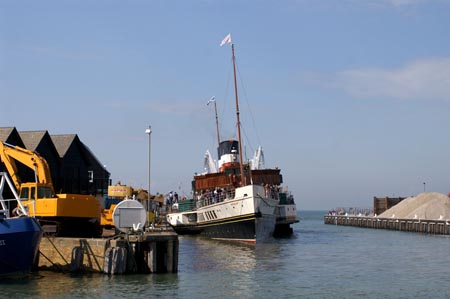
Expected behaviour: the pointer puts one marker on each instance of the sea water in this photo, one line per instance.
(319, 261)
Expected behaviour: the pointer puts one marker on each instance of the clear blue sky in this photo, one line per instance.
(350, 98)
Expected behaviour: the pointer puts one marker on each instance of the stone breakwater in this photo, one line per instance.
(439, 227)
(424, 213)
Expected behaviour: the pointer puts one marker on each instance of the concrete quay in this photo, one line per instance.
(437, 227)
(153, 251)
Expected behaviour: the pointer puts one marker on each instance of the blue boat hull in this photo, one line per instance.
(19, 245)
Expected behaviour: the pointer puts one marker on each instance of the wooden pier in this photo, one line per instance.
(437, 227)
(154, 251)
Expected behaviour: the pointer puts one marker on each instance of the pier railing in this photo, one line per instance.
(439, 227)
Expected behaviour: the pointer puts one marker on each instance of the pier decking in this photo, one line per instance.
(438, 227)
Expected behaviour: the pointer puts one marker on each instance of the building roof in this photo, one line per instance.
(5, 133)
(62, 142)
(31, 139)
(11, 136)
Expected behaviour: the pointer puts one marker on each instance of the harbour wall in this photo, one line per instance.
(438, 227)
(145, 253)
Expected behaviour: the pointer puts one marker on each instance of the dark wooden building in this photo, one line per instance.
(98, 175)
(381, 204)
(80, 172)
(41, 143)
(74, 167)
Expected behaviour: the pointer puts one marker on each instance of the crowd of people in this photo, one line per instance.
(171, 198)
(350, 211)
(214, 195)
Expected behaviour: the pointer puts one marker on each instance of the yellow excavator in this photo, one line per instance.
(64, 215)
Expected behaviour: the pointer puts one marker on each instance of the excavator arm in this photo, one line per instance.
(9, 154)
(67, 215)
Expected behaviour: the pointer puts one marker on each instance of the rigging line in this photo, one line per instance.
(223, 108)
(207, 118)
(235, 132)
(244, 142)
(248, 105)
(247, 140)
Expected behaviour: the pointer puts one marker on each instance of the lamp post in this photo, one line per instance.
(149, 132)
(424, 186)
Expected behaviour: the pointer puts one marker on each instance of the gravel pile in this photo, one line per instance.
(429, 206)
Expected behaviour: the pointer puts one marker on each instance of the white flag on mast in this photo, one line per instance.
(212, 99)
(226, 40)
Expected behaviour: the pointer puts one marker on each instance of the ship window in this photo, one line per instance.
(214, 213)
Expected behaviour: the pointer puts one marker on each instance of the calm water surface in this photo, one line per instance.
(320, 261)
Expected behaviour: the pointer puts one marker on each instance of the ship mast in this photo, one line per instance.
(213, 99)
(217, 123)
(241, 164)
